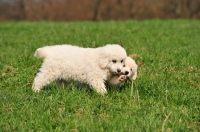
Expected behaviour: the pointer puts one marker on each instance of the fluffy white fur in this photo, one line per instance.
(92, 66)
(129, 70)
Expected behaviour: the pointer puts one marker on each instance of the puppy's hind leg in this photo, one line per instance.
(99, 86)
(43, 78)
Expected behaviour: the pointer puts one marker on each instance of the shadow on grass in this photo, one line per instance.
(82, 87)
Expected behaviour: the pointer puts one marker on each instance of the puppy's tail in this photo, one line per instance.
(40, 53)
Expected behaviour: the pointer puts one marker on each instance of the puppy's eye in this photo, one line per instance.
(114, 61)
(131, 69)
(122, 61)
(124, 65)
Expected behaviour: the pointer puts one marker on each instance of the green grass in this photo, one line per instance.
(166, 94)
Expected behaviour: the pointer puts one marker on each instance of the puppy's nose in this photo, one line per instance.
(118, 70)
(126, 72)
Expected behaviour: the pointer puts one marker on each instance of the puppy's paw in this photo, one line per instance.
(102, 91)
(36, 90)
(122, 78)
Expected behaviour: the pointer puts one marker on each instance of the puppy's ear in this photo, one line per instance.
(103, 60)
(134, 76)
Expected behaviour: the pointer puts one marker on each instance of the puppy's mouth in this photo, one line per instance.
(121, 73)
(118, 73)
(127, 74)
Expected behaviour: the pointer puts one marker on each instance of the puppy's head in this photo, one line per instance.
(129, 68)
(112, 58)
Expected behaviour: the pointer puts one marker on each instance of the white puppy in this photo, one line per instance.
(92, 66)
(129, 70)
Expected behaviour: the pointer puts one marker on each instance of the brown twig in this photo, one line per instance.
(120, 42)
(129, 79)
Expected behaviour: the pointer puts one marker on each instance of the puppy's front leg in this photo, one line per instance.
(117, 79)
(99, 86)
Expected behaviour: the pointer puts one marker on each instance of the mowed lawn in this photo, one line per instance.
(164, 97)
